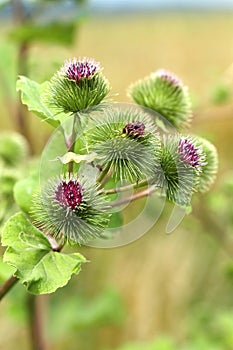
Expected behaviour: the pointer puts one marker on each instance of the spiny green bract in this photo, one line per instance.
(176, 178)
(164, 93)
(209, 170)
(126, 142)
(53, 213)
(69, 95)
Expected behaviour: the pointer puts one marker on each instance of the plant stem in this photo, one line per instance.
(135, 196)
(21, 119)
(70, 144)
(126, 188)
(104, 176)
(35, 313)
(56, 246)
(7, 285)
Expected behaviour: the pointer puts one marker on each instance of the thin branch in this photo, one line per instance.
(71, 146)
(35, 313)
(126, 187)
(135, 196)
(21, 119)
(104, 176)
(7, 285)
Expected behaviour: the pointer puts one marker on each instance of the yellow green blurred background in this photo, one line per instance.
(161, 292)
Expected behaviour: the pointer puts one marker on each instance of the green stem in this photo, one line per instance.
(104, 176)
(126, 188)
(135, 196)
(71, 146)
(7, 285)
(35, 313)
(56, 246)
(21, 119)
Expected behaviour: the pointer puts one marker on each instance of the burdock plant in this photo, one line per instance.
(78, 85)
(164, 93)
(99, 151)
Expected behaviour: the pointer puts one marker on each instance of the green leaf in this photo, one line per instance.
(55, 33)
(32, 96)
(24, 191)
(39, 268)
(5, 270)
(77, 158)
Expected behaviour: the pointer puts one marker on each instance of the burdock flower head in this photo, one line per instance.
(163, 92)
(78, 85)
(78, 70)
(179, 169)
(171, 78)
(134, 129)
(69, 194)
(210, 166)
(125, 141)
(72, 209)
(191, 154)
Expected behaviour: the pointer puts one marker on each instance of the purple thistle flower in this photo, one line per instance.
(69, 194)
(190, 154)
(77, 69)
(135, 129)
(168, 76)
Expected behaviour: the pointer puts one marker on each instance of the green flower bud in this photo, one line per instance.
(210, 168)
(125, 141)
(164, 93)
(72, 209)
(13, 148)
(77, 86)
(177, 173)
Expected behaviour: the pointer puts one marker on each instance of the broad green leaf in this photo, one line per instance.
(55, 33)
(77, 158)
(39, 268)
(14, 228)
(32, 96)
(5, 270)
(24, 191)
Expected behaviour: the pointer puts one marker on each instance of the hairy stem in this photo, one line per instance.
(7, 285)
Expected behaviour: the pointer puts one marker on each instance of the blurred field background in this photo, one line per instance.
(161, 292)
